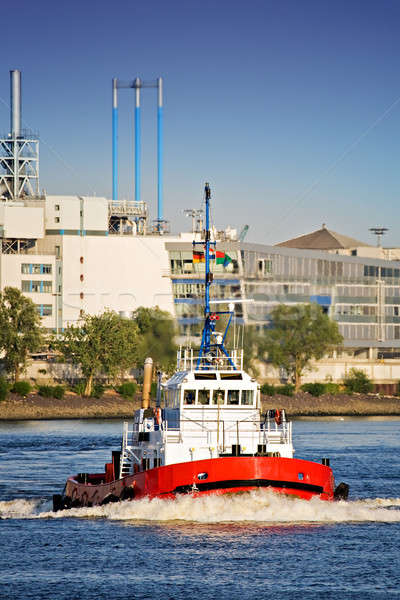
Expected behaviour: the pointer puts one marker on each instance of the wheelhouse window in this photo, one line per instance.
(247, 397)
(233, 397)
(218, 397)
(203, 397)
(189, 396)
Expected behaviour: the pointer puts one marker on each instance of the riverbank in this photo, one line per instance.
(111, 406)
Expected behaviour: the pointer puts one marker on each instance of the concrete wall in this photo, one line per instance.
(22, 222)
(116, 272)
(380, 371)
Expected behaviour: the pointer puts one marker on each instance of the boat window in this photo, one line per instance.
(203, 397)
(205, 376)
(247, 397)
(230, 376)
(218, 397)
(233, 397)
(189, 396)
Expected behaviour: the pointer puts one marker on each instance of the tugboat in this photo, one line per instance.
(206, 434)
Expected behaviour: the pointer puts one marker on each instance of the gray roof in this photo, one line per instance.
(323, 239)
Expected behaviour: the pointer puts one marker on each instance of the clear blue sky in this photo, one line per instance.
(264, 99)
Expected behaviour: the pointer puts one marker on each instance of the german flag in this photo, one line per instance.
(198, 257)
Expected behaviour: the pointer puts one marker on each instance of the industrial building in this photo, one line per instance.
(77, 254)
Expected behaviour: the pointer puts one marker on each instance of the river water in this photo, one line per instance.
(257, 545)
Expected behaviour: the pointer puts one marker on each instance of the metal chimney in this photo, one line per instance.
(15, 90)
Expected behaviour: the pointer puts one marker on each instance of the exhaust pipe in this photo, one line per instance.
(147, 375)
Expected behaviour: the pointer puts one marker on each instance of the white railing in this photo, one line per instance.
(188, 361)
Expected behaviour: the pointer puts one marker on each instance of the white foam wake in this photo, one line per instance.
(261, 506)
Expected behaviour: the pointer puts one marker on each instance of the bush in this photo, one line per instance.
(357, 381)
(332, 388)
(315, 389)
(58, 392)
(285, 390)
(79, 388)
(21, 387)
(4, 387)
(51, 391)
(127, 389)
(268, 389)
(97, 390)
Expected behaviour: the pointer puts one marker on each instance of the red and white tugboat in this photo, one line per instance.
(206, 434)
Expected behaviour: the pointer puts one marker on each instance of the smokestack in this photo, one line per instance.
(15, 90)
(147, 373)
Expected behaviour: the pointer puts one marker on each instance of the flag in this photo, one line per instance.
(198, 257)
(223, 258)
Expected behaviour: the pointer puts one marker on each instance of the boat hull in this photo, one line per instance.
(295, 477)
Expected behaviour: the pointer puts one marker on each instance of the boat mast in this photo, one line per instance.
(209, 348)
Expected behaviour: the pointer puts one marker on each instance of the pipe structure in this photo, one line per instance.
(147, 374)
(137, 86)
(15, 92)
(114, 139)
(159, 152)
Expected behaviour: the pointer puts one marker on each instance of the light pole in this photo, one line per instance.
(57, 295)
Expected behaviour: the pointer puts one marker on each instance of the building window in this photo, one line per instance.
(81, 260)
(81, 277)
(44, 310)
(36, 287)
(57, 219)
(58, 251)
(35, 269)
(81, 295)
(56, 207)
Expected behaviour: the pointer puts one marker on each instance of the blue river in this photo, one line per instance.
(259, 545)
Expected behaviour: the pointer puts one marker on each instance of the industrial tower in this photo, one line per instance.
(19, 152)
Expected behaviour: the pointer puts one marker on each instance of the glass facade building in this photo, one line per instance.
(361, 294)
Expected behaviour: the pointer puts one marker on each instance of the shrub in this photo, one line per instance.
(332, 388)
(4, 387)
(357, 381)
(315, 389)
(97, 390)
(285, 390)
(79, 388)
(42, 371)
(127, 389)
(58, 392)
(45, 391)
(22, 388)
(268, 389)
(51, 391)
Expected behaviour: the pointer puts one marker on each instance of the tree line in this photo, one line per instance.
(109, 345)
(99, 345)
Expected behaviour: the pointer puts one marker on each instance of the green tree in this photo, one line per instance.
(357, 381)
(156, 333)
(299, 334)
(101, 344)
(20, 330)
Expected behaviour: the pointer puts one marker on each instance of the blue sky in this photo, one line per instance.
(281, 105)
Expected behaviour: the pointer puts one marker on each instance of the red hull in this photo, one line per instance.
(300, 478)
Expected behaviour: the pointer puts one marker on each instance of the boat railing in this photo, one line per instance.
(187, 360)
(223, 433)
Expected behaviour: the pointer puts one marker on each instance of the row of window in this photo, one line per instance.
(218, 397)
(41, 287)
(381, 272)
(35, 269)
